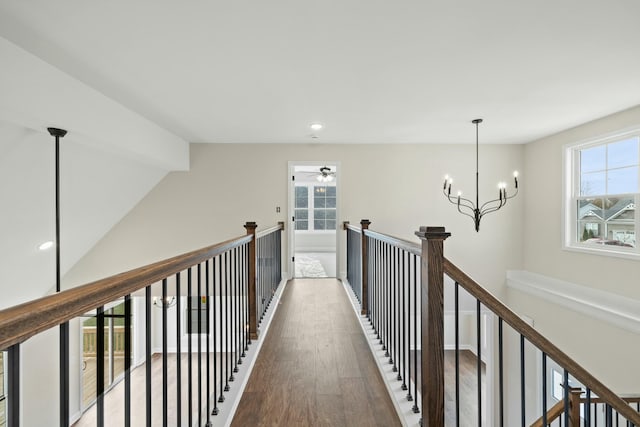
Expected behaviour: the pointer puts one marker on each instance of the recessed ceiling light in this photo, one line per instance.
(316, 126)
(46, 245)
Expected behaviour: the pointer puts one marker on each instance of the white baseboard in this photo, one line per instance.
(617, 310)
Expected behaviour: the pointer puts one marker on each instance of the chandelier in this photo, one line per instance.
(473, 210)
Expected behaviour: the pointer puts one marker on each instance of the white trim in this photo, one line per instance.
(617, 310)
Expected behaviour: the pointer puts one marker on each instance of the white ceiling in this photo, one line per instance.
(372, 71)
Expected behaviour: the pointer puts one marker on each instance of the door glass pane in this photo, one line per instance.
(302, 197)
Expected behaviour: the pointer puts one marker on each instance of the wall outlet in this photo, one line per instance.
(277, 209)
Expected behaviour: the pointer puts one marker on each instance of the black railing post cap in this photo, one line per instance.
(250, 224)
(432, 233)
(365, 221)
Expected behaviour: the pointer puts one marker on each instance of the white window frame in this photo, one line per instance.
(571, 175)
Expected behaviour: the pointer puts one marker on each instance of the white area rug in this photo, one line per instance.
(307, 266)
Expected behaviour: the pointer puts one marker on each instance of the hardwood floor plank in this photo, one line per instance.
(315, 368)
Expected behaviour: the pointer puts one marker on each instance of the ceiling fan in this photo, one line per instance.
(324, 174)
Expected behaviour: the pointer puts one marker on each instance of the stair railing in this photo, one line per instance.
(228, 286)
(405, 278)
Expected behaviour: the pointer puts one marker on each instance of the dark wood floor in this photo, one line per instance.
(315, 367)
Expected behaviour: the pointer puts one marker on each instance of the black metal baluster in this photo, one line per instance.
(208, 347)
(457, 349)
(501, 370)
(392, 309)
(215, 342)
(243, 300)
(13, 386)
(403, 344)
(608, 415)
(190, 348)
(199, 270)
(246, 300)
(587, 412)
(544, 389)
(178, 352)
(566, 398)
(229, 375)
(237, 301)
(415, 408)
(408, 378)
(522, 380)
(148, 329)
(100, 366)
(234, 312)
(221, 325)
(479, 361)
(387, 289)
(165, 364)
(127, 360)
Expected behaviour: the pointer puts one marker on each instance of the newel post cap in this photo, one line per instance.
(365, 223)
(432, 233)
(251, 226)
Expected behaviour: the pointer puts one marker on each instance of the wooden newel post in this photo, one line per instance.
(574, 406)
(432, 337)
(364, 225)
(253, 308)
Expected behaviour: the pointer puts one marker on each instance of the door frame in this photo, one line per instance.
(291, 246)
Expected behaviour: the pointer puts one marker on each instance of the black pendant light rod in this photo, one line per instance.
(57, 133)
(64, 327)
(474, 210)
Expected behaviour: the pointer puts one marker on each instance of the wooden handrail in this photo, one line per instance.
(558, 409)
(599, 400)
(278, 227)
(347, 226)
(411, 247)
(542, 343)
(23, 321)
(552, 414)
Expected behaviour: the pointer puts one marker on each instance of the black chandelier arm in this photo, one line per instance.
(454, 200)
(491, 209)
(513, 195)
(487, 205)
(467, 214)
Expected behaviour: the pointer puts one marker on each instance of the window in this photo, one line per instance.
(315, 207)
(193, 315)
(604, 191)
(114, 354)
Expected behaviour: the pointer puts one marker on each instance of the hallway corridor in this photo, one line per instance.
(315, 367)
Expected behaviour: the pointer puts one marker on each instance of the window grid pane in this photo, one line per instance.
(609, 189)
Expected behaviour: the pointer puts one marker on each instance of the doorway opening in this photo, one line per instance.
(313, 210)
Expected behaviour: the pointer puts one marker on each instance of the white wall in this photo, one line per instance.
(607, 351)
(397, 187)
